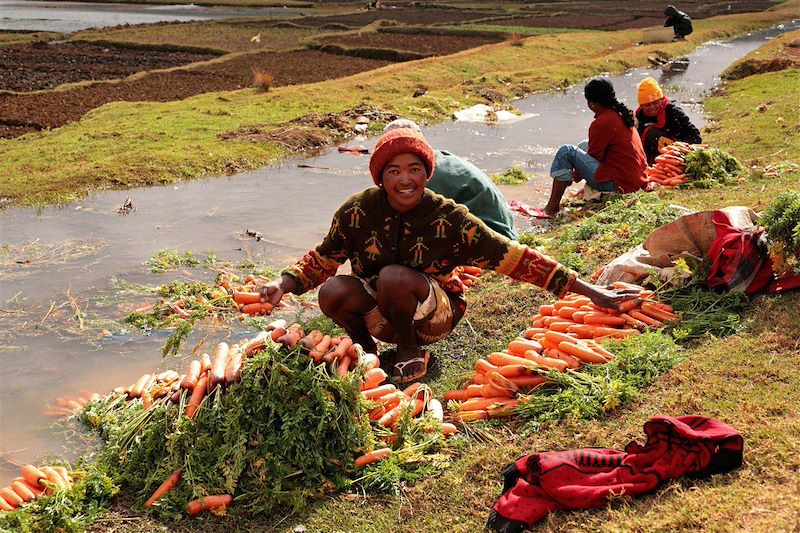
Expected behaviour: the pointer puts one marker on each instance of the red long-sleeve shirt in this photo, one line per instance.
(619, 150)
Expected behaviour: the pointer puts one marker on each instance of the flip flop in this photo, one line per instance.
(400, 375)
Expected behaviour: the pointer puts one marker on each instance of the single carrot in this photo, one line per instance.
(344, 366)
(320, 349)
(377, 413)
(164, 488)
(584, 353)
(277, 333)
(572, 362)
(343, 347)
(197, 396)
(456, 395)
(393, 414)
(524, 382)
(499, 381)
(520, 346)
(483, 366)
(22, 490)
(292, 336)
(54, 477)
(512, 371)
(567, 312)
(597, 347)
(216, 376)
(490, 390)
(5, 506)
(373, 378)
(377, 392)
(448, 429)
(657, 313)
(503, 359)
(246, 297)
(546, 310)
(33, 475)
(561, 326)
(466, 416)
(207, 503)
(258, 308)
(557, 337)
(647, 319)
(530, 332)
(638, 324)
(233, 369)
(477, 404)
(476, 389)
(547, 362)
(137, 388)
(601, 319)
(373, 457)
(312, 339)
(11, 497)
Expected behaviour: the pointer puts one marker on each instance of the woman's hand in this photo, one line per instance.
(273, 291)
(603, 296)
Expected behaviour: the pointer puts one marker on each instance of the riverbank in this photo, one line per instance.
(123, 145)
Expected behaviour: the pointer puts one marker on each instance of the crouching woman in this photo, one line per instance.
(403, 242)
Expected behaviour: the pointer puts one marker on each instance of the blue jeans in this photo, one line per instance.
(570, 157)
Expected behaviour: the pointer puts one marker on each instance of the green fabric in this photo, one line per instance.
(466, 184)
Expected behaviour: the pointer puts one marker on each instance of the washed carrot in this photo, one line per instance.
(216, 376)
(292, 336)
(547, 362)
(499, 381)
(584, 353)
(320, 349)
(246, 297)
(601, 319)
(476, 389)
(11, 497)
(344, 366)
(377, 392)
(233, 369)
(435, 409)
(518, 347)
(313, 338)
(638, 324)
(477, 404)
(456, 395)
(277, 333)
(5, 506)
(164, 488)
(572, 362)
(524, 382)
(54, 477)
(530, 332)
(448, 429)
(480, 379)
(197, 396)
(512, 371)
(466, 416)
(373, 378)
(490, 390)
(503, 359)
(647, 319)
(567, 312)
(657, 313)
(546, 310)
(394, 413)
(627, 305)
(343, 348)
(137, 388)
(208, 503)
(483, 366)
(258, 308)
(32, 475)
(373, 457)
(377, 413)
(22, 490)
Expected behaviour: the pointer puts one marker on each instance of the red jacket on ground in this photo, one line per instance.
(619, 150)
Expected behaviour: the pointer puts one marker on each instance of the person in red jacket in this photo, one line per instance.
(611, 160)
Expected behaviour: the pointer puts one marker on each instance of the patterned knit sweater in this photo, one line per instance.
(433, 238)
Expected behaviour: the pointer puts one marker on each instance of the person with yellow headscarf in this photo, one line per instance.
(661, 122)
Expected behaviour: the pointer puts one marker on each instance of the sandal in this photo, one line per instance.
(400, 375)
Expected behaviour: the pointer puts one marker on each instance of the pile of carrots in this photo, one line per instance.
(214, 503)
(669, 169)
(33, 483)
(562, 335)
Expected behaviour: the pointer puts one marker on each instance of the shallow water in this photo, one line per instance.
(290, 206)
(65, 17)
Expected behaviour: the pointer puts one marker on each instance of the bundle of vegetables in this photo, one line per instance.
(180, 302)
(782, 220)
(668, 169)
(562, 336)
(33, 483)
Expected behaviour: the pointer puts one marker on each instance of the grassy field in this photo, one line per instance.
(9, 38)
(71, 161)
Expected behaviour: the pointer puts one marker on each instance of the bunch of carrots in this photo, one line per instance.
(33, 483)
(669, 168)
(564, 335)
(214, 503)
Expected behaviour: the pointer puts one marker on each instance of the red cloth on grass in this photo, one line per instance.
(538, 484)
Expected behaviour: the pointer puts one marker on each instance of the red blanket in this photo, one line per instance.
(580, 479)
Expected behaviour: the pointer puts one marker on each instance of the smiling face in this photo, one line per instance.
(652, 109)
(404, 178)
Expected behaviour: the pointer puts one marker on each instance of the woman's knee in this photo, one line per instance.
(396, 280)
(334, 293)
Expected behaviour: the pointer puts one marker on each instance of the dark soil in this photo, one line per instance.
(38, 66)
(24, 113)
(412, 42)
(585, 21)
(405, 15)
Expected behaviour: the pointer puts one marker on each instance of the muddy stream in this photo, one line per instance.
(79, 250)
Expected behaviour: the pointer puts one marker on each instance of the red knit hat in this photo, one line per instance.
(396, 142)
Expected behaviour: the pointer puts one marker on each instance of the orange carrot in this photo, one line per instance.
(373, 378)
(277, 333)
(343, 348)
(477, 404)
(513, 371)
(373, 457)
(475, 389)
(54, 477)
(547, 362)
(207, 503)
(483, 366)
(465, 416)
(321, 348)
(567, 312)
(392, 400)
(448, 429)
(11, 497)
(456, 395)
(313, 338)
(393, 414)
(479, 379)
(518, 347)
(491, 390)
(5, 506)
(601, 319)
(584, 353)
(64, 474)
(139, 386)
(197, 396)
(344, 366)
(647, 319)
(217, 374)
(503, 410)
(164, 488)
(377, 413)
(32, 475)
(503, 359)
(246, 297)
(377, 392)
(638, 324)
(205, 363)
(530, 332)
(546, 310)
(501, 382)
(233, 369)
(657, 313)
(22, 490)
(293, 335)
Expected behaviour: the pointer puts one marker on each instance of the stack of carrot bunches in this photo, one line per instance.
(33, 483)
(562, 335)
(669, 168)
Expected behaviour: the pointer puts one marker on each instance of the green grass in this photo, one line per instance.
(123, 145)
(512, 176)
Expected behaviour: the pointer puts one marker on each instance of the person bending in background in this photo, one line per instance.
(681, 23)
(661, 122)
(403, 242)
(611, 160)
(466, 184)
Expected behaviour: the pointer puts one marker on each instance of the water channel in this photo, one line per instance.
(210, 215)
